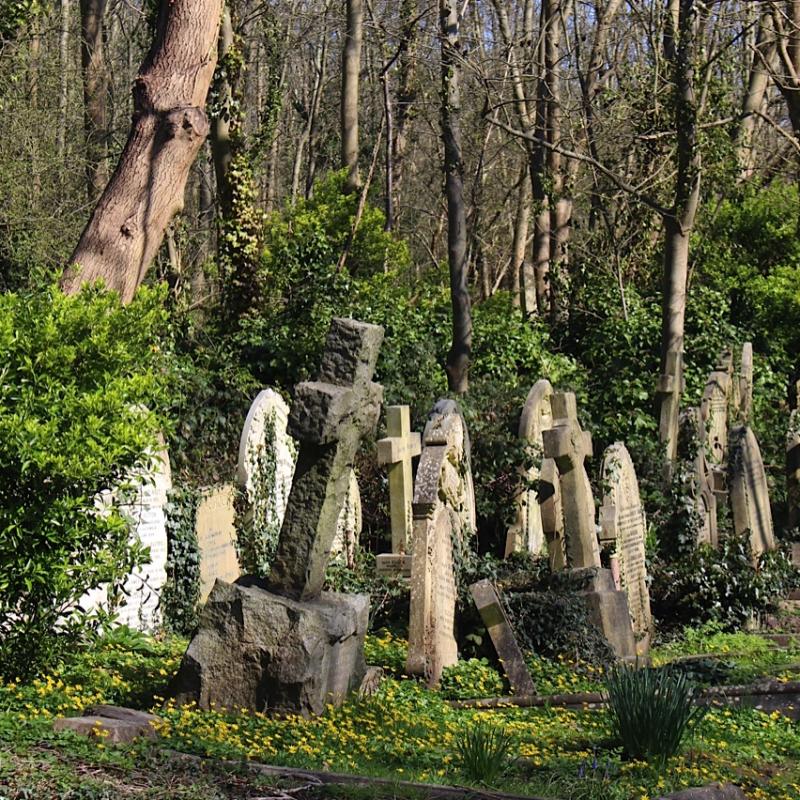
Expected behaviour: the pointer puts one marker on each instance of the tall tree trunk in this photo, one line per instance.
(678, 224)
(351, 67)
(63, 96)
(221, 142)
(458, 357)
(95, 90)
(520, 245)
(169, 127)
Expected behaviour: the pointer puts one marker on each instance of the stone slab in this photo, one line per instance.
(216, 538)
(112, 731)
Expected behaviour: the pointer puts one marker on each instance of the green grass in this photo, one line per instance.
(402, 732)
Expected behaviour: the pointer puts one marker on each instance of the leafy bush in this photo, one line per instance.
(383, 649)
(474, 677)
(79, 375)
(484, 752)
(651, 710)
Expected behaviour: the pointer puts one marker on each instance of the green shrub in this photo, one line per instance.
(474, 677)
(484, 752)
(651, 710)
(78, 375)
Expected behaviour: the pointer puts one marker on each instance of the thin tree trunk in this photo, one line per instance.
(351, 67)
(95, 90)
(169, 127)
(458, 357)
(221, 143)
(63, 97)
(520, 244)
(406, 95)
(389, 117)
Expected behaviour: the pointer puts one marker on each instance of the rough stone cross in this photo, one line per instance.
(397, 450)
(329, 417)
(570, 446)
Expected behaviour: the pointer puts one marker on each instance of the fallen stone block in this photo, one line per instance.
(714, 791)
(113, 731)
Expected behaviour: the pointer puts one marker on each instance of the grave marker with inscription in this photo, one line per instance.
(216, 538)
(444, 508)
(714, 416)
(526, 532)
(692, 446)
(623, 526)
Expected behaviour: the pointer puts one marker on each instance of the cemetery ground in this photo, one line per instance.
(404, 732)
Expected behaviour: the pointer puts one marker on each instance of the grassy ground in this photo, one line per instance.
(403, 732)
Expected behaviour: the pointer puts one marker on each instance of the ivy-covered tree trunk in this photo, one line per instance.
(169, 127)
(458, 357)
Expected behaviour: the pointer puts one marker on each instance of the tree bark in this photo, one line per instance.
(95, 90)
(351, 67)
(169, 126)
(63, 97)
(458, 357)
(221, 143)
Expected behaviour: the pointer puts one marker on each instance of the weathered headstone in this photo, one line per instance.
(552, 514)
(494, 618)
(443, 508)
(692, 438)
(526, 532)
(216, 538)
(745, 384)
(714, 416)
(267, 456)
(282, 644)
(329, 416)
(749, 491)
(569, 447)
(349, 524)
(669, 390)
(623, 526)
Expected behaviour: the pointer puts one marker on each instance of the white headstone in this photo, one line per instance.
(444, 508)
(623, 526)
(216, 538)
(526, 532)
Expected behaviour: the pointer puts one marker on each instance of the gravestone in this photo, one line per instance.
(216, 538)
(623, 526)
(749, 491)
(281, 644)
(696, 486)
(505, 643)
(793, 468)
(396, 450)
(714, 416)
(552, 514)
(669, 390)
(569, 447)
(349, 524)
(745, 385)
(148, 489)
(526, 532)
(443, 509)
(267, 456)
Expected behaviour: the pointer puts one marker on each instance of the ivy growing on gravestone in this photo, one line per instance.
(257, 521)
(182, 589)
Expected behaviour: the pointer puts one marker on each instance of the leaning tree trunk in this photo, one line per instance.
(351, 67)
(458, 357)
(95, 89)
(169, 127)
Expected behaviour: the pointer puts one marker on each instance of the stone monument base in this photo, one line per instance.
(608, 611)
(263, 652)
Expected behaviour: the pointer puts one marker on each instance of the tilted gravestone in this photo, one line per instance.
(444, 509)
(505, 643)
(397, 450)
(569, 447)
(215, 529)
(552, 514)
(623, 526)
(281, 644)
(749, 491)
(714, 415)
(526, 532)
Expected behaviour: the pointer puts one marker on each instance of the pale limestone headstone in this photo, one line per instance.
(443, 509)
(142, 589)
(552, 514)
(267, 456)
(749, 491)
(526, 532)
(349, 524)
(669, 390)
(329, 418)
(745, 384)
(714, 416)
(623, 526)
(570, 446)
(216, 538)
(697, 486)
(499, 628)
(396, 450)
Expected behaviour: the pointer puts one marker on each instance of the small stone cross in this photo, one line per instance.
(329, 417)
(570, 446)
(397, 450)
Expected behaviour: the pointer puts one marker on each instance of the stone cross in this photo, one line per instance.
(397, 450)
(329, 417)
(570, 446)
(505, 643)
